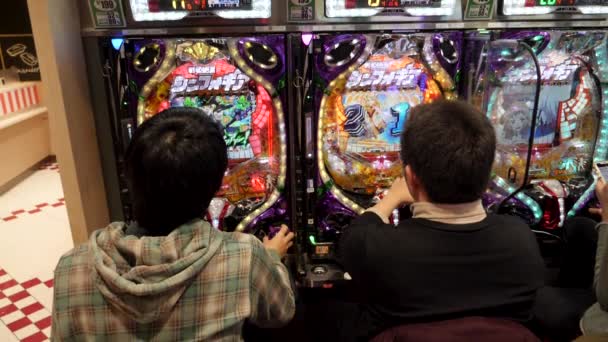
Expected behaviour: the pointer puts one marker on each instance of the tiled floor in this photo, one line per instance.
(35, 232)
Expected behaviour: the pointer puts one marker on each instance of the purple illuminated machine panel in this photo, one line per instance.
(238, 82)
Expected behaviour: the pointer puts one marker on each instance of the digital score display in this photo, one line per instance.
(562, 3)
(351, 4)
(198, 5)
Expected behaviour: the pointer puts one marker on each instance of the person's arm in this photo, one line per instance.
(351, 247)
(61, 322)
(352, 251)
(600, 282)
(397, 195)
(272, 297)
(56, 324)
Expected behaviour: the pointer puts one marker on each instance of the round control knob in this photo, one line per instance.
(319, 270)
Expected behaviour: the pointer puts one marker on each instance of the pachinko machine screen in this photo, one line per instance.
(568, 119)
(373, 82)
(234, 81)
(539, 7)
(368, 8)
(169, 10)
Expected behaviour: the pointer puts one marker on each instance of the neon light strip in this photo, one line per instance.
(163, 72)
(525, 199)
(601, 150)
(583, 200)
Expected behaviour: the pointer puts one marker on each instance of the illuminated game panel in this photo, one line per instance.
(204, 77)
(362, 118)
(539, 7)
(169, 10)
(557, 3)
(391, 3)
(566, 124)
(198, 5)
(368, 8)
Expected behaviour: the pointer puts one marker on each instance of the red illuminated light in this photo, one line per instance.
(153, 6)
(257, 184)
(551, 212)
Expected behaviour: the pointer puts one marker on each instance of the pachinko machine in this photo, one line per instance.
(239, 79)
(550, 129)
(231, 80)
(364, 87)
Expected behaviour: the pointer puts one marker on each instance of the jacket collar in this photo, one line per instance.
(462, 213)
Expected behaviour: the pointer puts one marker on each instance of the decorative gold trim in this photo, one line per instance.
(440, 75)
(274, 60)
(137, 62)
(320, 160)
(168, 66)
(165, 69)
(278, 107)
(328, 59)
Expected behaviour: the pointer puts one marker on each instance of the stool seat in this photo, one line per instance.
(460, 330)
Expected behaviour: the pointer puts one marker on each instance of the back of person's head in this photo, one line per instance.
(174, 166)
(450, 147)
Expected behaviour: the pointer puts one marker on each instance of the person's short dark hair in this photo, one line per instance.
(175, 164)
(450, 146)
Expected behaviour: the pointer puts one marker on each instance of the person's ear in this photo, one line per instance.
(412, 181)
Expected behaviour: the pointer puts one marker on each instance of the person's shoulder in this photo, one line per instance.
(514, 231)
(77, 260)
(240, 241)
(77, 255)
(509, 221)
(81, 254)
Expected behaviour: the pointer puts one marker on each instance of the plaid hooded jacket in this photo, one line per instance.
(195, 284)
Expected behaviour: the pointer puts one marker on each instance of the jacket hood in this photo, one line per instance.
(144, 277)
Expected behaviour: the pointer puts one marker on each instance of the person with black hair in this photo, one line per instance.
(451, 259)
(170, 276)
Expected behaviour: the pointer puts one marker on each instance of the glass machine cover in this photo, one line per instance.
(568, 121)
(233, 80)
(371, 84)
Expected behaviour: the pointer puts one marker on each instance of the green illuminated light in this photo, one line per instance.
(312, 240)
